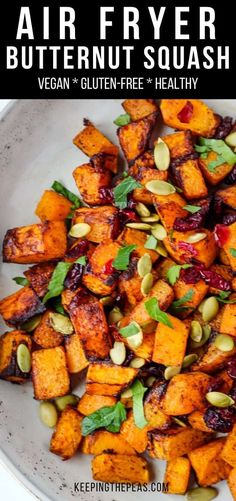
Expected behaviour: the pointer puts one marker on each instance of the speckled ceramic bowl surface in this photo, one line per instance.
(36, 148)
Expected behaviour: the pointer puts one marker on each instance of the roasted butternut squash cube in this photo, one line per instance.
(89, 180)
(99, 276)
(92, 142)
(232, 483)
(204, 251)
(35, 243)
(136, 437)
(9, 369)
(213, 359)
(170, 342)
(135, 136)
(180, 144)
(103, 221)
(228, 321)
(139, 108)
(130, 283)
(177, 442)
(207, 463)
(203, 121)
(104, 441)
(169, 207)
(218, 174)
(91, 403)
(131, 236)
(230, 245)
(44, 334)
(200, 289)
(191, 180)
(142, 195)
(228, 196)
(186, 393)
(49, 373)
(177, 475)
(229, 448)
(106, 160)
(102, 374)
(153, 408)
(39, 277)
(120, 469)
(89, 321)
(145, 349)
(53, 207)
(196, 420)
(20, 306)
(66, 438)
(75, 356)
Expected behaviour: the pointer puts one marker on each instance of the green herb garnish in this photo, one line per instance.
(192, 208)
(121, 262)
(123, 119)
(81, 260)
(232, 252)
(106, 417)
(155, 313)
(21, 281)
(187, 297)
(129, 330)
(56, 284)
(57, 306)
(121, 191)
(222, 298)
(223, 151)
(150, 243)
(138, 391)
(174, 272)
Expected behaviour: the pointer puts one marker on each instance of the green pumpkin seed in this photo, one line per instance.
(144, 265)
(179, 422)
(106, 300)
(118, 353)
(127, 393)
(206, 331)
(189, 359)
(147, 283)
(114, 316)
(202, 494)
(139, 226)
(79, 230)
(23, 358)
(200, 307)
(219, 399)
(142, 210)
(171, 371)
(161, 250)
(159, 187)
(62, 402)
(48, 414)
(224, 342)
(196, 237)
(153, 218)
(31, 324)
(196, 331)
(161, 155)
(61, 323)
(150, 380)
(159, 232)
(210, 309)
(137, 362)
(136, 340)
(231, 139)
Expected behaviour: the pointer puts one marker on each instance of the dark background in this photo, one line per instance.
(20, 83)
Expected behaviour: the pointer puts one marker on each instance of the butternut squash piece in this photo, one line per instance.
(197, 422)
(104, 441)
(136, 437)
(217, 175)
(229, 245)
(145, 349)
(204, 251)
(9, 343)
(105, 372)
(35, 243)
(53, 207)
(120, 469)
(180, 144)
(207, 463)
(96, 277)
(228, 453)
(203, 121)
(200, 289)
(91, 403)
(66, 438)
(170, 343)
(103, 222)
(232, 483)
(153, 408)
(186, 393)
(49, 373)
(44, 334)
(178, 442)
(39, 277)
(131, 236)
(135, 136)
(20, 306)
(191, 179)
(130, 283)
(228, 196)
(75, 356)
(139, 108)
(169, 207)
(228, 321)
(213, 359)
(89, 180)
(177, 475)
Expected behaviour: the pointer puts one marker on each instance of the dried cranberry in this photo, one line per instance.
(180, 160)
(106, 195)
(190, 275)
(229, 218)
(81, 297)
(231, 369)
(216, 384)
(153, 369)
(193, 221)
(73, 277)
(108, 268)
(233, 392)
(127, 215)
(115, 225)
(221, 420)
(80, 249)
(188, 248)
(224, 128)
(120, 300)
(218, 206)
(215, 280)
(221, 234)
(231, 178)
(131, 202)
(186, 113)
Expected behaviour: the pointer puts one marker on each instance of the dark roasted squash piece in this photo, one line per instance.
(213, 359)
(186, 393)
(49, 373)
(44, 334)
(39, 277)
(204, 251)
(120, 468)
(139, 108)
(99, 277)
(131, 236)
(21, 306)
(89, 180)
(228, 196)
(135, 136)
(190, 180)
(103, 221)
(66, 438)
(180, 144)
(169, 207)
(9, 343)
(176, 442)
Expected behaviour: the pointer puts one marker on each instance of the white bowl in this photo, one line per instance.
(36, 148)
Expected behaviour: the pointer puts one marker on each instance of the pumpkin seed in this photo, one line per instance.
(106, 300)
(161, 250)
(139, 226)
(196, 237)
(48, 414)
(224, 342)
(210, 309)
(127, 393)
(118, 353)
(61, 323)
(79, 230)
(171, 371)
(189, 359)
(179, 422)
(196, 331)
(219, 399)
(115, 315)
(23, 358)
(150, 380)
(142, 210)
(62, 402)
(147, 283)
(153, 218)
(144, 265)
(161, 155)
(206, 331)
(158, 231)
(231, 139)
(137, 362)
(31, 324)
(200, 307)
(202, 494)
(136, 340)
(159, 187)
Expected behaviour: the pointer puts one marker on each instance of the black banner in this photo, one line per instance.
(112, 49)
